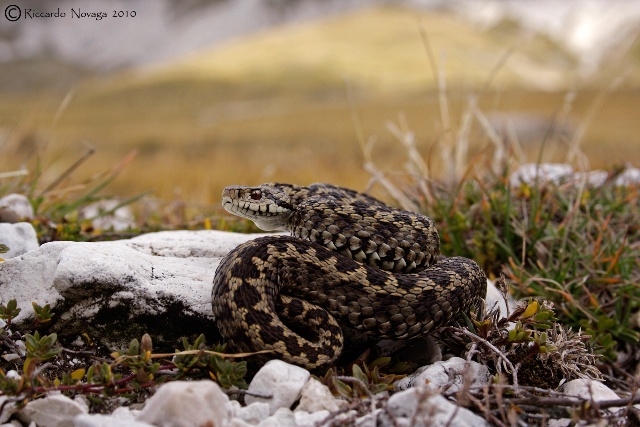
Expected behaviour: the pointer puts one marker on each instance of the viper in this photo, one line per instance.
(351, 261)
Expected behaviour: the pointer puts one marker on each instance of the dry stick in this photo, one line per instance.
(438, 77)
(574, 401)
(90, 151)
(494, 71)
(471, 335)
(366, 147)
(574, 146)
(443, 101)
(365, 388)
(63, 106)
(14, 174)
(487, 413)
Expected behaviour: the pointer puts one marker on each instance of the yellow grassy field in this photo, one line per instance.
(275, 106)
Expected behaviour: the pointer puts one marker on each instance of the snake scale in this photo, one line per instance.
(351, 261)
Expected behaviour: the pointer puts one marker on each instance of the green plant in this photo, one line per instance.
(364, 380)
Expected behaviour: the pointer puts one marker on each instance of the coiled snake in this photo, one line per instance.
(351, 260)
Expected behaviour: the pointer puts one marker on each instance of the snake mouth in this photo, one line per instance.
(268, 213)
(251, 210)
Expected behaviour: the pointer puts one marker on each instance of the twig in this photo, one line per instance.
(90, 152)
(492, 347)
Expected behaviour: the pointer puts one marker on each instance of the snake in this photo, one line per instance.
(349, 261)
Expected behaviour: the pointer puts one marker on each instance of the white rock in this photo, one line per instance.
(630, 176)
(309, 419)
(19, 204)
(97, 420)
(118, 220)
(559, 172)
(494, 296)
(187, 404)
(164, 276)
(55, 410)
(19, 237)
(316, 396)
(594, 178)
(121, 416)
(562, 422)
(237, 422)
(253, 413)
(590, 389)
(528, 173)
(421, 407)
(282, 418)
(281, 380)
(8, 409)
(446, 376)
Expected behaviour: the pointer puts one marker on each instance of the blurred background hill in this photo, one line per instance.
(219, 92)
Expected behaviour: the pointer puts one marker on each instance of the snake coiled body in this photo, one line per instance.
(351, 261)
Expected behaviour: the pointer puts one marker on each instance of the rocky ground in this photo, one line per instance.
(160, 284)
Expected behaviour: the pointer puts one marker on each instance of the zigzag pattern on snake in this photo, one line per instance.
(350, 261)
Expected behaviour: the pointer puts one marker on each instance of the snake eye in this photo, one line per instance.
(256, 195)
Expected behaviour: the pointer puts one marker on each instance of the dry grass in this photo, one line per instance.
(183, 154)
(274, 107)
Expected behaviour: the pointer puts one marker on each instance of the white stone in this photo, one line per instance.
(309, 419)
(528, 173)
(282, 418)
(19, 237)
(281, 380)
(422, 407)
(187, 404)
(121, 416)
(253, 413)
(97, 420)
(316, 396)
(8, 409)
(19, 204)
(562, 422)
(559, 172)
(237, 422)
(120, 219)
(630, 176)
(148, 275)
(590, 389)
(55, 410)
(494, 296)
(446, 376)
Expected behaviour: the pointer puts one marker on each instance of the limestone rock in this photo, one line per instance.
(253, 413)
(19, 237)
(18, 204)
(283, 417)
(495, 297)
(418, 406)
(316, 396)
(106, 215)
(446, 376)
(187, 404)
(158, 283)
(55, 410)
(281, 380)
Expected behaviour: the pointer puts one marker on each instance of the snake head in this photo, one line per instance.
(268, 205)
